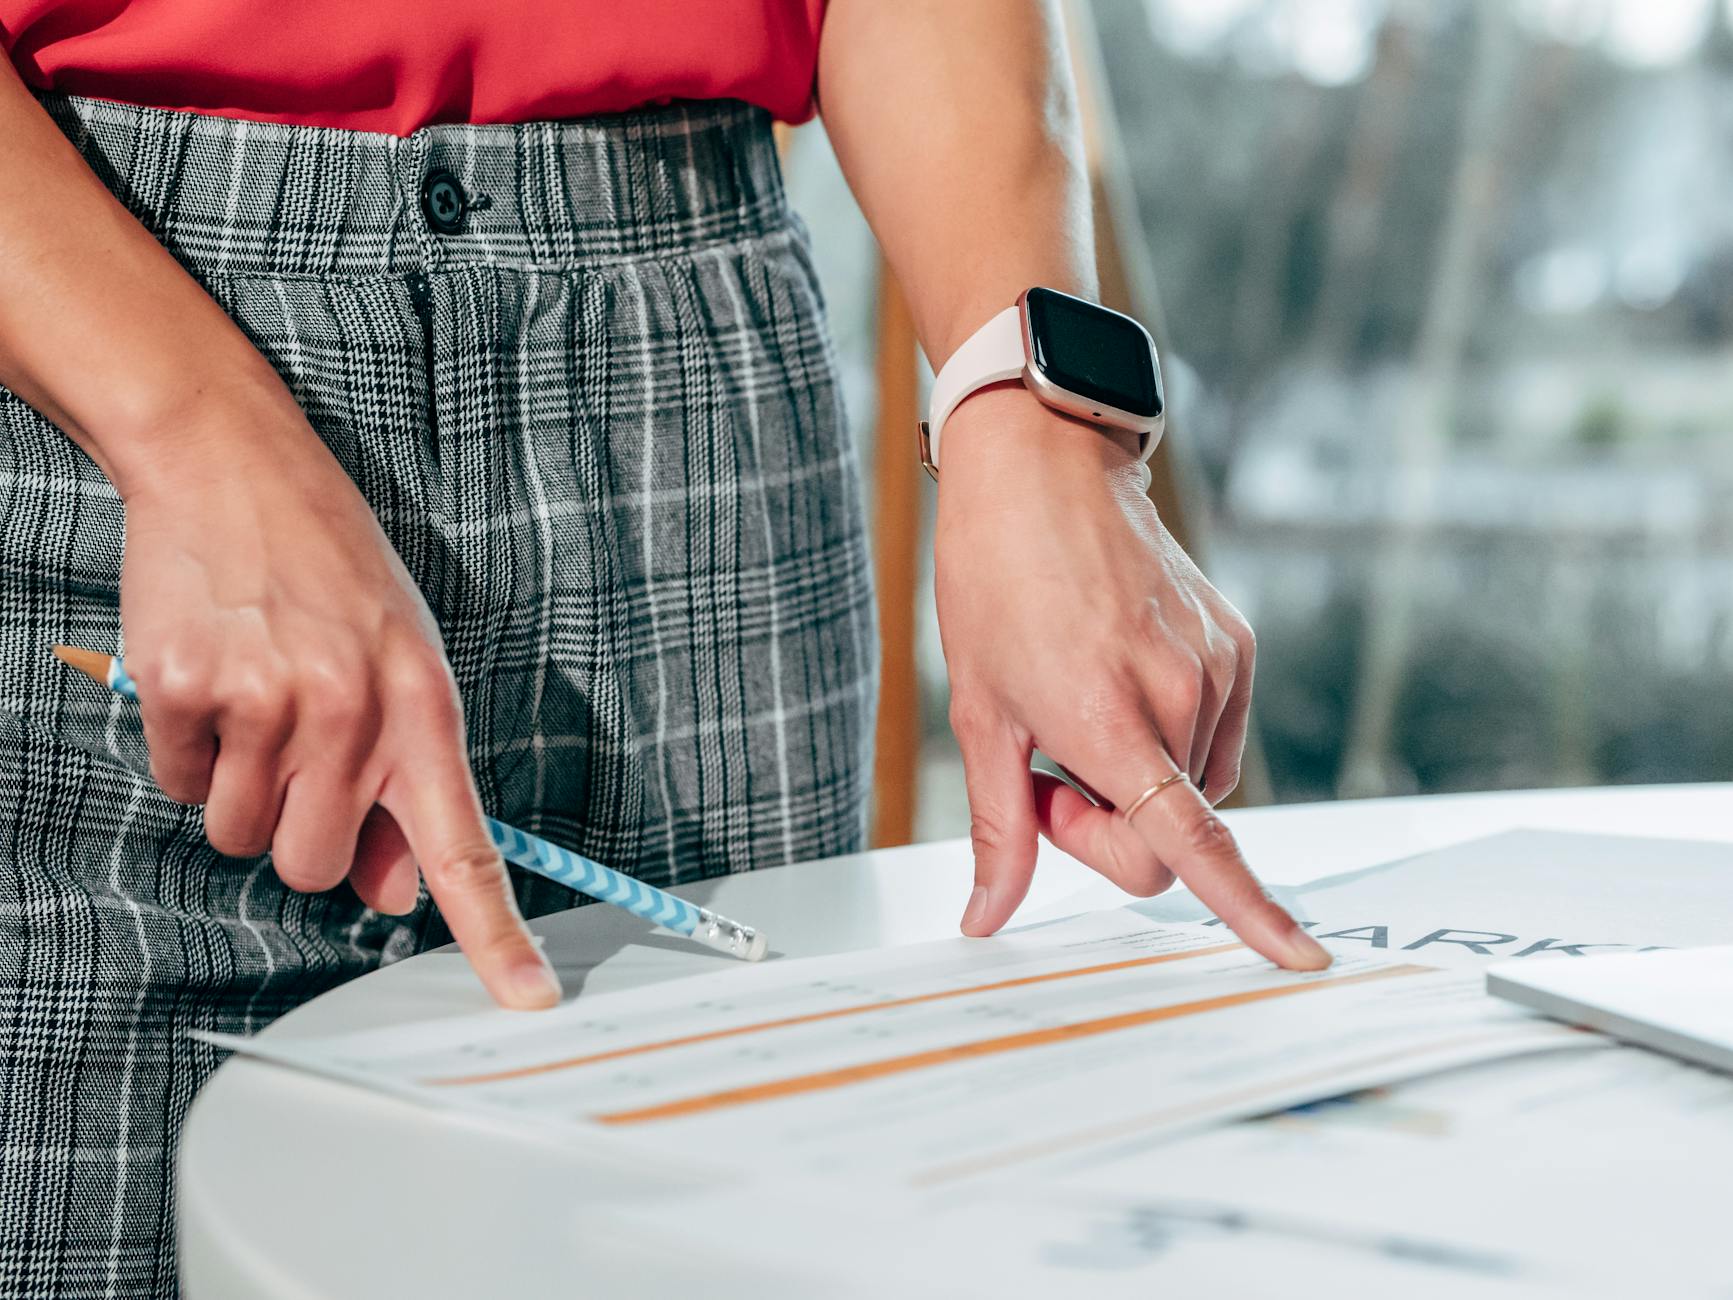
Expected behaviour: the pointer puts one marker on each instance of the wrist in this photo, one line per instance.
(207, 432)
(960, 317)
(1008, 419)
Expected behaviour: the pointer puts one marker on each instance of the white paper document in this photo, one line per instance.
(1607, 1172)
(1603, 1172)
(1503, 1181)
(1521, 894)
(936, 1062)
(1566, 1174)
(815, 1241)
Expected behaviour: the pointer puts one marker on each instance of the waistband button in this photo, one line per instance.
(443, 202)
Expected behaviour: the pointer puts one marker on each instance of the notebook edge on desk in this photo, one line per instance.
(1520, 986)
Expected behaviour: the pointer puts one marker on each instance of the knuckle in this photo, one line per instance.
(1205, 835)
(1146, 881)
(1000, 832)
(989, 831)
(471, 870)
(422, 682)
(294, 873)
(303, 869)
(329, 671)
(171, 684)
(144, 666)
(1237, 632)
(180, 786)
(1224, 657)
(144, 662)
(234, 841)
(1067, 817)
(1184, 688)
(1136, 869)
(338, 699)
(257, 701)
(1246, 641)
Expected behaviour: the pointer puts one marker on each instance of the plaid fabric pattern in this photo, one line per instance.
(600, 423)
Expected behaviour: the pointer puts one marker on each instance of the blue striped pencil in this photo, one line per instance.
(533, 853)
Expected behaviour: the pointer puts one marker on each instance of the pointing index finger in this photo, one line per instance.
(1186, 833)
(437, 808)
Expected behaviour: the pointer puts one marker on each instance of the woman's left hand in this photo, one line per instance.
(1073, 621)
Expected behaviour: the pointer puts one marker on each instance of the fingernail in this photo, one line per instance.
(534, 985)
(1308, 953)
(976, 909)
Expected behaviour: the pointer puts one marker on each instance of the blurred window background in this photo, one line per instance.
(1446, 288)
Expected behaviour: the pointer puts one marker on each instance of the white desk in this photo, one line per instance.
(293, 1186)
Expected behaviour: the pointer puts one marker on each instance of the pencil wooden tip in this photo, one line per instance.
(92, 663)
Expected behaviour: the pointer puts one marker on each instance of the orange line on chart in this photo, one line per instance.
(811, 1017)
(842, 1078)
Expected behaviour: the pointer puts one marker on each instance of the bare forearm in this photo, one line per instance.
(277, 640)
(956, 125)
(101, 329)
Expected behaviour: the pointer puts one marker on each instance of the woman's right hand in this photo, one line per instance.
(290, 676)
(292, 680)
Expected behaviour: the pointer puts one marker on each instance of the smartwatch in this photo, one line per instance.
(1076, 356)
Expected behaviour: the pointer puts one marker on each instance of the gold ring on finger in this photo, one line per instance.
(1147, 795)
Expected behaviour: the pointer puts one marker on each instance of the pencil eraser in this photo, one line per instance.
(756, 950)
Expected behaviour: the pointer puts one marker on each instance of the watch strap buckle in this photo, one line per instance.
(926, 441)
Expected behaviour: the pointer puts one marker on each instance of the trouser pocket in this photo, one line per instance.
(62, 536)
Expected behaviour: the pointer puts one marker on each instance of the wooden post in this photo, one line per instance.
(897, 482)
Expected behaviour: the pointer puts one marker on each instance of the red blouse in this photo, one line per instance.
(395, 65)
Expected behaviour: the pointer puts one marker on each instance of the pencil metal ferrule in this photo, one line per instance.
(727, 936)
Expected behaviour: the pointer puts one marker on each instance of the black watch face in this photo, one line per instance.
(1094, 352)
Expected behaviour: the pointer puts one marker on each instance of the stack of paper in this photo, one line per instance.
(945, 1060)
(1022, 1115)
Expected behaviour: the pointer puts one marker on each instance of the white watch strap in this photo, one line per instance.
(992, 354)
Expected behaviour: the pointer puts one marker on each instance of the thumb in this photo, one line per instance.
(1002, 826)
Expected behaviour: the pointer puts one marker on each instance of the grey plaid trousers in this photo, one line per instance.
(598, 417)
